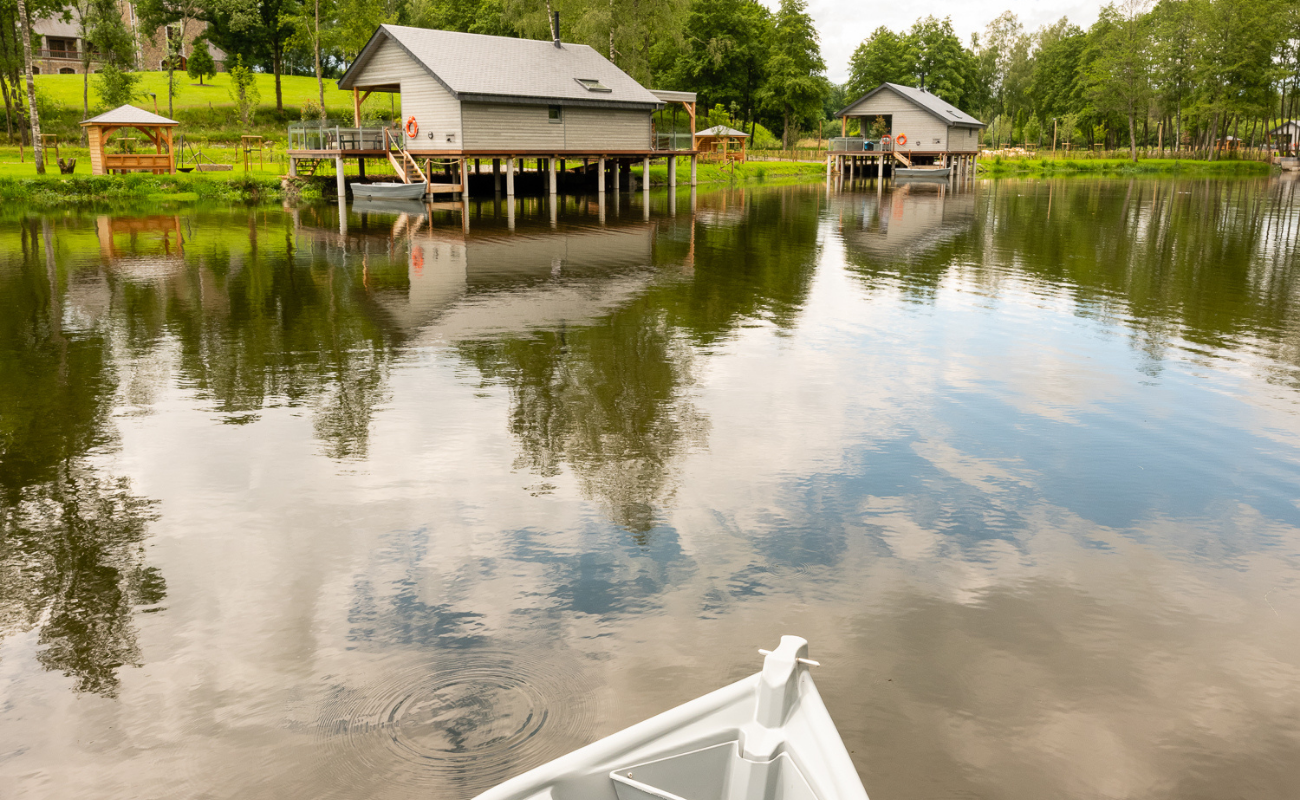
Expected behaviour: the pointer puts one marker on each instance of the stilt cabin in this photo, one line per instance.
(472, 97)
(919, 128)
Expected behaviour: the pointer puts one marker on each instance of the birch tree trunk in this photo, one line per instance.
(320, 82)
(38, 147)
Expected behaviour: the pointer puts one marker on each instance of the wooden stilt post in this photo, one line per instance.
(338, 178)
(672, 171)
(553, 177)
(496, 175)
(600, 175)
(464, 178)
(617, 165)
(356, 106)
(645, 173)
(694, 175)
(510, 182)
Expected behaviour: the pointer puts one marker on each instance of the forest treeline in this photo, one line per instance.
(1191, 71)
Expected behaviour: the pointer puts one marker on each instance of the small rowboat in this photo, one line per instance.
(767, 737)
(922, 172)
(388, 191)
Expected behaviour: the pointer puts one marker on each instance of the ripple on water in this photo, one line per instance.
(471, 724)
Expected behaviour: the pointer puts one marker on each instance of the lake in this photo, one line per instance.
(401, 505)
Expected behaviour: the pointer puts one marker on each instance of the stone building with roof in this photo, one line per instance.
(61, 46)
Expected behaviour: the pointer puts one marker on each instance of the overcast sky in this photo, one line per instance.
(843, 24)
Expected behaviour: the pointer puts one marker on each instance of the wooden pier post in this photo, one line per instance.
(551, 169)
(600, 181)
(293, 162)
(694, 160)
(672, 172)
(510, 185)
(616, 176)
(338, 178)
(645, 173)
(496, 175)
(464, 179)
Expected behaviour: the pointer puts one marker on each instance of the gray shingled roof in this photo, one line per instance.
(478, 68)
(940, 108)
(721, 130)
(129, 115)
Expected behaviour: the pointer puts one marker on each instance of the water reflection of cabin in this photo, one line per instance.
(468, 97)
(914, 220)
(920, 129)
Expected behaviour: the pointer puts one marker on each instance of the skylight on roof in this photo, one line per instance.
(593, 85)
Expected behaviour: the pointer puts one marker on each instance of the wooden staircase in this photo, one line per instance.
(404, 164)
(307, 166)
(902, 158)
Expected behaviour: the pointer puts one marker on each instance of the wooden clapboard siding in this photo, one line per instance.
(526, 127)
(606, 129)
(423, 97)
(96, 152)
(963, 139)
(924, 130)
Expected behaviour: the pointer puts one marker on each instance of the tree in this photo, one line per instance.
(259, 31)
(1233, 67)
(305, 20)
(724, 56)
(938, 62)
(1171, 58)
(116, 86)
(1054, 89)
(243, 90)
(795, 87)
(881, 58)
(38, 147)
(201, 65)
(1120, 76)
(174, 17)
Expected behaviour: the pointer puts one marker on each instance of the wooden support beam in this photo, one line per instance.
(356, 107)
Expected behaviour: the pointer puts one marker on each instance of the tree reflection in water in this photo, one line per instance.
(612, 398)
(71, 536)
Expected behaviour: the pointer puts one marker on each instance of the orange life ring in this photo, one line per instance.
(901, 138)
(411, 127)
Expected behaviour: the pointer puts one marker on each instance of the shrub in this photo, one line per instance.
(116, 86)
(243, 90)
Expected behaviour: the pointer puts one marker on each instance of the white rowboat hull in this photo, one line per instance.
(388, 191)
(767, 737)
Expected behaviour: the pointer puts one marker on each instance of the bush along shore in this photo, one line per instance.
(999, 166)
(60, 190)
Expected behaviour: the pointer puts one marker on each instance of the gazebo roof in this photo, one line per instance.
(129, 115)
(721, 130)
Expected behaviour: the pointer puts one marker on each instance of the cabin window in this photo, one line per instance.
(555, 113)
(593, 85)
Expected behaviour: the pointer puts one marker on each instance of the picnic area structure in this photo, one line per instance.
(100, 129)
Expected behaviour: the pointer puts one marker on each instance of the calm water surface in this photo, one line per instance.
(297, 506)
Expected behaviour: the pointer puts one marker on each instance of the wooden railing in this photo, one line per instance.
(137, 161)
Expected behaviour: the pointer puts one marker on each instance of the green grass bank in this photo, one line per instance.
(999, 166)
(55, 190)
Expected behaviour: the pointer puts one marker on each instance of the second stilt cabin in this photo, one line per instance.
(516, 102)
(919, 129)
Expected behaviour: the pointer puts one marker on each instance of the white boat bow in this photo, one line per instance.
(767, 737)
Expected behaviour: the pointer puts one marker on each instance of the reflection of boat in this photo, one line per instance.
(386, 206)
(922, 172)
(391, 191)
(767, 737)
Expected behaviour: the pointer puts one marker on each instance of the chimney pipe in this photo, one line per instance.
(556, 29)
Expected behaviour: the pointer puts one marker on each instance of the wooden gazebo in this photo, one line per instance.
(157, 129)
(721, 143)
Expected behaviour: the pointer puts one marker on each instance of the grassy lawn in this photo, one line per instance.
(66, 91)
